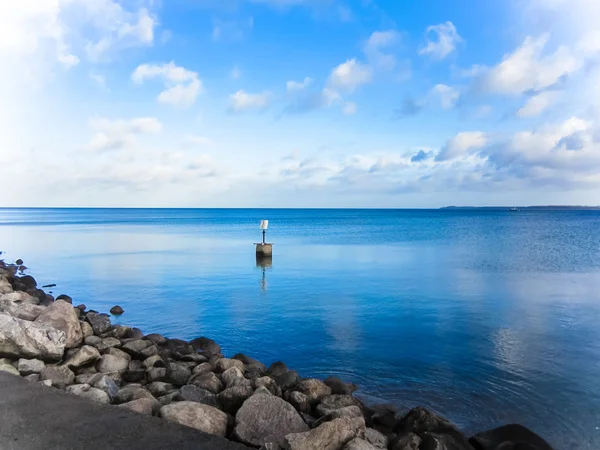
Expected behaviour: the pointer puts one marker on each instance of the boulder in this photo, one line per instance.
(203, 344)
(23, 339)
(233, 377)
(84, 378)
(339, 387)
(116, 310)
(176, 348)
(347, 411)
(299, 401)
(25, 311)
(376, 438)
(159, 388)
(91, 393)
(193, 393)
(509, 437)
(202, 368)
(65, 298)
(8, 368)
(29, 366)
(82, 357)
(264, 418)
(61, 316)
(86, 330)
(141, 406)
(151, 350)
(121, 332)
(268, 383)
(248, 361)
(332, 435)
(135, 372)
(359, 444)
(332, 402)
(178, 374)
(286, 380)
(25, 283)
(111, 363)
(94, 341)
(19, 298)
(60, 376)
(154, 361)
(208, 381)
(168, 398)
(114, 351)
(196, 415)
(100, 324)
(231, 399)
(134, 348)
(224, 364)
(383, 415)
(441, 431)
(106, 384)
(129, 393)
(157, 374)
(5, 286)
(107, 343)
(157, 339)
(277, 368)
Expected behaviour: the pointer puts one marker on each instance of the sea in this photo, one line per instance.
(487, 317)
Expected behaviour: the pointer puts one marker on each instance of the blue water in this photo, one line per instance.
(488, 317)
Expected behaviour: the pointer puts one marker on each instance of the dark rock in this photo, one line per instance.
(339, 387)
(252, 373)
(299, 401)
(194, 357)
(100, 324)
(159, 388)
(333, 402)
(135, 372)
(224, 364)
(202, 368)
(203, 344)
(196, 415)
(208, 381)
(231, 399)
(265, 418)
(268, 383)
(169, 398)
(66, 298)
(157, 374)
(134, 348)
(178, 374)
(277, 368)
(107, 343)
(136, 333)
(213, 358)
(106, 384)
(420, 420)
(25, 283)
(19, 262)
(154, 361)
(376, 438)
(48, 286)
(346, 412)
(60, 376)
(509, 437)
(116, 310)
(120, 332)
(193, 393)
(434, 441)
(141, 406)
(157, 339)
(148, 351)
(308, 419)
(233, 377)
(383, 415)
(286, 380)
(329, 436)
(248, 361)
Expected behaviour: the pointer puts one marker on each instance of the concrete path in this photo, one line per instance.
(35, 417)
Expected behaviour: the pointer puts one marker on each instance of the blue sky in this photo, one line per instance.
(299, 103)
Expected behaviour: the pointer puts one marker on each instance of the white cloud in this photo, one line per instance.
(462, 144)
(375, 48)
(119, 134)
(295, 86)
(536, 104)
(243, 101)
(236, 73)
(350, 75)
(182, 86)
(447, 95)
(349, 108)
(444, 43)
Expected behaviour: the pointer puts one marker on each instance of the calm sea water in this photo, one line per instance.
(486, 317)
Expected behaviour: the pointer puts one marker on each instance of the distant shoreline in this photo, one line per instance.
(255, 208)
(535, 208)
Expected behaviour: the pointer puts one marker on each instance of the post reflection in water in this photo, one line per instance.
(264, 262)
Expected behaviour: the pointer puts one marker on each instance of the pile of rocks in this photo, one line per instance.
(52, 342)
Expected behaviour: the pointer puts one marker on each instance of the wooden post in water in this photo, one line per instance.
(264, 249)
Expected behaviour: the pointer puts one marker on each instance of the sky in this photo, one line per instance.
(299, 103)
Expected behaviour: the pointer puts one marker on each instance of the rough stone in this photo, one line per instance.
(116, 310)
(23, 339)
(129, 393)
(203, 344)
(264, 418)
(111, 363)
(135, 347)
(383, 415)
(108, 343)
(233, 377)
(224, 364)
(248, 361)
(82, 357)
(159, 388)
(277, 368)
(19, 298)
(193, 393)
(434, 441)
(196, 415)
(340, 387)
(231, 399)
(100, 324)
(60, 376)
(154, 361)
(118, 353)
(65, 298)
(376, 438)
(329, 436)
(286, 380)
(168, 399)
(8, 368)
(135, 371)
(420, 420)
(61, 316)
(202, 368)
(25, 311)
(84, 378)
(157, 374)
(299, 401)
(359, 444)
(86, 330)
(157, 338)
(268, 383)
(178, 374)
(29, 366)
(105, 383)
(208, 381)
(94, 341)
(33, 377)
(141, 406)
(509, 437)
(332, 402)
(91, 393)
(347, 411)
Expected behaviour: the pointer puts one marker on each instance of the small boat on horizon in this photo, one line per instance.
(514, 209)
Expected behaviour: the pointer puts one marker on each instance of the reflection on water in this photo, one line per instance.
(486, 317)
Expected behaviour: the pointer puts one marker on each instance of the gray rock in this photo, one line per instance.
(159, 388)
(111, 363)
(86, 329)
(61, 316)
(277, 368)
(29, 366)
(25, 311)
(135, 347)
(9, 361)
(299, 401)
(118, 353)
(248, 361)
(91, 393)
(107, 343)
(168, 398)
(269, 383)
(8, 368)
(225, 363)
(347, 411)
(82, 357)
(87, 369)
(157, 374)
(196, 415)
(105, 383)
(60, 376)
(202, 368)
(406, 441)
(376, 438)
(129, 393)
(264, 418)
(442, 433)
(233, 377)
(84, 378)
(314, 389)
(157, 339)
(19, 298)
(359, 444)
(178, 374)
(434, 441)
(141, 406)
(100, 324)
(23, 339)
(207, 345)
(208, 381)
(231, 399)
(286, 380)
(154, 361)
(94, 341)
(121, 332)
(135, 371)
(329, 436)
(47, 383)
(340, 387)
(193, 393)
(33, 377)
(332, 402)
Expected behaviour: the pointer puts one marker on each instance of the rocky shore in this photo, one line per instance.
(68, 347)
